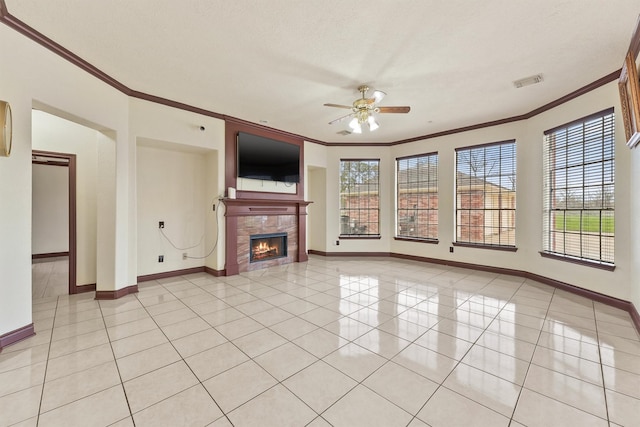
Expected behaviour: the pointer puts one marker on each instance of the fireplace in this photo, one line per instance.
(264, 247)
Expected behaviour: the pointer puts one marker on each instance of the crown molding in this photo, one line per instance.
(31, 33)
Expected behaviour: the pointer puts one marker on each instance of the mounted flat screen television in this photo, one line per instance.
(267, 159)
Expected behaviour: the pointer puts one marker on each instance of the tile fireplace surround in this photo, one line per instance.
(245, 217)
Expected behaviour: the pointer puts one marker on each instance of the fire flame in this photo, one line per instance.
(263, 247)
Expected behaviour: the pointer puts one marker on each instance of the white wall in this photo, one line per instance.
(529, 136)
(171, 188)
(161, 126)
(53, 133)
(31, 75)
(50, 228)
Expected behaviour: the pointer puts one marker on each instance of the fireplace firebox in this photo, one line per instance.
(264, 247)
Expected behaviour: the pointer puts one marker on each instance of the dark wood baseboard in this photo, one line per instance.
(174, 273)
(17, 335)
(49, 255)
(350, 254)
(80, 289)
(635, 316)
(119, 293)
(593, 295)
(216, 273)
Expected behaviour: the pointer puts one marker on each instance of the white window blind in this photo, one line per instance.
(417, 196)
(579, 172)
(486, 194)
(359, 197)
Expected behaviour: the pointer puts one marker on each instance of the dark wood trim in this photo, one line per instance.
(592, 295)
(253, 207)
(359, 144)
(90, 287)
(416, 240)
(566, 98)
(584, 263)
(49, 255)
(216, 273)
(592, 116)
(635, 316)
(29, 32)
(16, 335)
(276, 133)
(459, 264)
(119, 293)
(486, 144)
(482, 246)
(173, 104)
(359, 237)
(360, 159)
(173, 273)
(613, 76)
(73, 245)
(412, 156)
(50, 163)
(350, 254)
(73, 232)
(232, 127)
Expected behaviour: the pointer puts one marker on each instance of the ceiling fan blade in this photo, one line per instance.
(339, 119)
(378, 95)
(338, 106)
(394, 109)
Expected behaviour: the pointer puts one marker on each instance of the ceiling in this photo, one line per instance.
(277, 62)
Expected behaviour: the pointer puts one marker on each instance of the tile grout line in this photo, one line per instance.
(180, 355)
(458, 362)
(115, 362)
(44, 378)
(524, 380)
(604, 385)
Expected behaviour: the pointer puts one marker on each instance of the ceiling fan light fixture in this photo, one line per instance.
(378, 95)
(373, 124)
(354, 124)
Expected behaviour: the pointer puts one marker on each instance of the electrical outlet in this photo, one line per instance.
(214, 207)
(337, 242)
(161, 224)
(184, 255)
(451, 249)
(160, 258)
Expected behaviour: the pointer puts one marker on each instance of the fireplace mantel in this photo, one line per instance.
(237, 208)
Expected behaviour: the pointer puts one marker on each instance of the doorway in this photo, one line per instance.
(68, 161)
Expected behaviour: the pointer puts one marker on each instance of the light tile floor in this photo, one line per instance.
(357, 342)
(50, 277)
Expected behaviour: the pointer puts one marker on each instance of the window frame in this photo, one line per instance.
(510, 212)
(428, 209)
(342, 223)
(606, 131)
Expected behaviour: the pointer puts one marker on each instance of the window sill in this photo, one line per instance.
(481, 246)
(416, 240)
(586, 263)
(360, 237)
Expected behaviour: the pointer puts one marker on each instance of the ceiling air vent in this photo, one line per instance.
(527, 81)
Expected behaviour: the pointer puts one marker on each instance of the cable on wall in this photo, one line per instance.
(215, 244)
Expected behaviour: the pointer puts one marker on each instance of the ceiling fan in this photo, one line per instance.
(363, 110)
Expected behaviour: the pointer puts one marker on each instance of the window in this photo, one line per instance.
(417, 197)
(486, 195)
(579, 189)
(359, 199)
